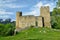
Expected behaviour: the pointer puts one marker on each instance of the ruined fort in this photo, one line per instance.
(37, 21)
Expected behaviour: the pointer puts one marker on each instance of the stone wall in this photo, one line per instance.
(27, 21)
(39, 21)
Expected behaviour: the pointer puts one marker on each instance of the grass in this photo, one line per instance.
(35, 34)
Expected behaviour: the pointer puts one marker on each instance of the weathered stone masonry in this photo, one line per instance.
(39, 21)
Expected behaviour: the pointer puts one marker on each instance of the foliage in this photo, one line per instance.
(35, 34)
(58, 3)
(56, 18)
(1, 29)
(6, 30)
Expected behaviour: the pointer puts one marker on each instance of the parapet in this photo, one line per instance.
(44, 6)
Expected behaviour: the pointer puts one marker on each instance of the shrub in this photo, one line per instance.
(6, 30)
(1, 29)
(55, 18)
(9, 29)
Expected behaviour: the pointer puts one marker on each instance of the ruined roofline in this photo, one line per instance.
(19, 13)
(30, 16)
(44, 6)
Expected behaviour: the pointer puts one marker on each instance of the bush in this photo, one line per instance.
(1, 29)
(9, 29)
(6, 30)
(55, 18)
(56, 23)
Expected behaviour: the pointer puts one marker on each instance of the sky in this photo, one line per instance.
(8, 8)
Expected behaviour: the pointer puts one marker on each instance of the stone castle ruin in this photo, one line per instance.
(38, 21)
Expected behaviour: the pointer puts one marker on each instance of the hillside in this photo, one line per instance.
(35, 34)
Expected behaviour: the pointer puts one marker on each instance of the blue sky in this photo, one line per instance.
(8, 8)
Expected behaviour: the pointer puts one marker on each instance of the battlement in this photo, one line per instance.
(44, 6)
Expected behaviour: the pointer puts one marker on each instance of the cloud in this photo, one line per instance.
(35, 10)
(38, 5)
(4, 16)
(15, 6)
(10, 0)
(51, 5)
(11, 5)
(30, 13)
(13, 20)
(5, 1)
(5, 12)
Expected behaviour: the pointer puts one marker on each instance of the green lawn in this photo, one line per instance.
(35, 34)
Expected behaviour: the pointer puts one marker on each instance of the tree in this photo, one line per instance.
(1, 29)
(1, 20)
(9, 29)
(58, 4)
(6, 30)
(7, 20)
(56, 18)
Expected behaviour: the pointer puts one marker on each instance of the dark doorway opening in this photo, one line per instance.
(36, 23)
(43, 21)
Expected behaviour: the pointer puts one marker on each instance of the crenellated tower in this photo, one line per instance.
(45, 13)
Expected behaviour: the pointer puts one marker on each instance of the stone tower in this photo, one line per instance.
(45, 13)
(18, 14)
